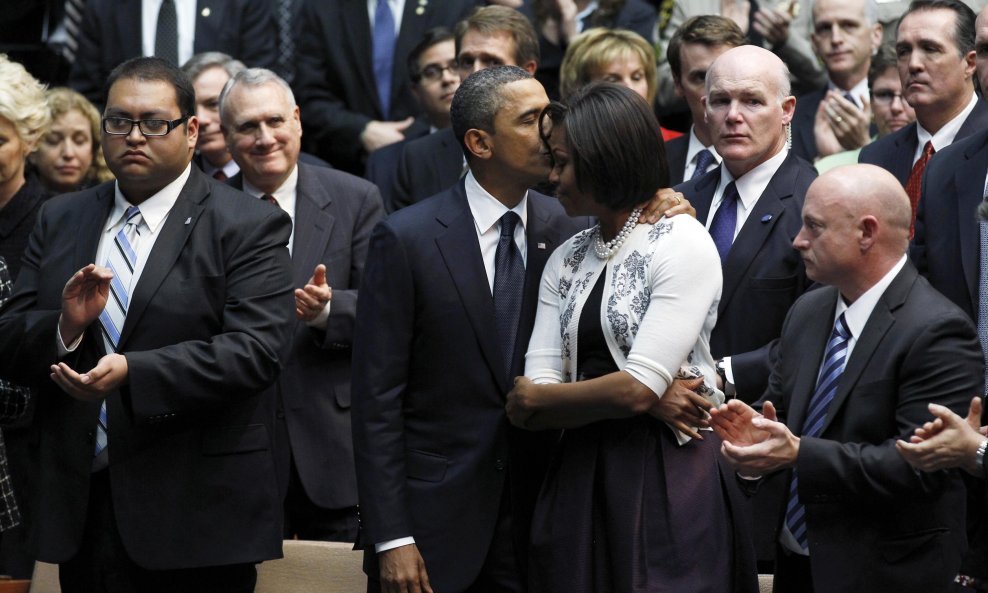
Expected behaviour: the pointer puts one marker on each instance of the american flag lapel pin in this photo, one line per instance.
(541, 245)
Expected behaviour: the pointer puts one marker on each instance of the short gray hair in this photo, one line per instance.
(253, 77)
(479, 98)
(199, 63)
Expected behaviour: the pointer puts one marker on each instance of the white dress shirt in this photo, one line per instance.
(185, 11)
(946, 134)
(750, 187)
(229, 169)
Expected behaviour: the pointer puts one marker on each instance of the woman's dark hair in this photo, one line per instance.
(614, 144)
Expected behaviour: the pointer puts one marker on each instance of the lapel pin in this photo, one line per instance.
(206, 12)
(420, 10)
(767, 218)
(188, 220)
(541, 245)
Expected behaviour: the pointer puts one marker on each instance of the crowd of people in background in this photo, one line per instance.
(514, 295)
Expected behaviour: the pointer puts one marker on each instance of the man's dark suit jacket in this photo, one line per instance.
(382, 170)
(947, 250)
(334, 215)
(763, 273)
(676, 150)
(434, 449)
(426, 167)
(803, 120)
(190, 449)
(875, 524)
(895, 152)
(111, 34)
(335, 81)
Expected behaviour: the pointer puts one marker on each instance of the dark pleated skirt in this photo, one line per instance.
(624, 509)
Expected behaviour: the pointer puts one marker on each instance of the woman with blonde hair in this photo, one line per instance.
(613, 55)
(24, 119)
(69, 156)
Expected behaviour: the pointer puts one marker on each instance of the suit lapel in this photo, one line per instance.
(815, 333)
(450, 152)
(313, 228)
(705, 188)
(970, 190)
(905, 150)
(128, 15)
(409, 35)
(879, 323)
(764, 216)
(182, 218)
(460, 250)
(91, 222)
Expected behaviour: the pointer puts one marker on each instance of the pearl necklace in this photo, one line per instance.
(606, 250)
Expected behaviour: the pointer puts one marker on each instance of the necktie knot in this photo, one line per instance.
(840, 328)
(270, 199)
(704, 159)
(508, 222)
(928, 149)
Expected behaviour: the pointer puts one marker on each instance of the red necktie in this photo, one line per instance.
(915, 183)
(219, 175)
(270, 199)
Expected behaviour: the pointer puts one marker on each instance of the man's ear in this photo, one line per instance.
(479, 143)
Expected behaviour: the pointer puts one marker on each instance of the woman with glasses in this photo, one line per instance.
(69, 158)
(635, 499)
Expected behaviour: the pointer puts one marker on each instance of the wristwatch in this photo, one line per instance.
(979, 457)
(719, 367)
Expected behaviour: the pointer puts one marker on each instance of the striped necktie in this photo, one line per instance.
(121, 259)
(816, 415)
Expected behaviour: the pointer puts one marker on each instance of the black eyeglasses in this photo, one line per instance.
(434, 72)
(122, 126)
(886, 97)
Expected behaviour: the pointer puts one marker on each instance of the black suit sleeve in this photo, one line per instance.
(257, 45)
(88, 74)
(382, 349)
(248, 352)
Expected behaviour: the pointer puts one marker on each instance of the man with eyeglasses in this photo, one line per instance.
(150, 315)
(846, 33)
(434, 78)
(352, 80)
(490, 36)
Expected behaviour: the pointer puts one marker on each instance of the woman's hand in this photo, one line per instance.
(682, 408)
(522, 400)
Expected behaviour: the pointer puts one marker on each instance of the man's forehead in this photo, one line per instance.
(148, 95)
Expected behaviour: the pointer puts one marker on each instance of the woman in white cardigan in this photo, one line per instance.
(636, 498)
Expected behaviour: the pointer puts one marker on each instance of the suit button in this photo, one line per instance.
(499, 465)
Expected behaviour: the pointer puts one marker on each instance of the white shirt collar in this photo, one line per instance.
(486, 209)
(946, 134)
(696, 146)
(583, 14)
(155, 209)
(285, 194)
(857, 91)
(752, 184)
(857, 313)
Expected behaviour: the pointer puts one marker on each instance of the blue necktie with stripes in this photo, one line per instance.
(121, 259)
(816, 415)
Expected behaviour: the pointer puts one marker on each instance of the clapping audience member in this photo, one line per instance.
(836, 117)
(209, 73)
(694, 46)
(622, 308)
(352, 78)
(69, 157)
(888, 108)
(332, 213)
(24, 119)
(859, 361)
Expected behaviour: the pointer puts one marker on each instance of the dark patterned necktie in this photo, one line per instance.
(725, 221)
(816, 415)
(166, 33)
(219, 175)
(384, 53)
(704, 159)
(285, 15)
(509, 281)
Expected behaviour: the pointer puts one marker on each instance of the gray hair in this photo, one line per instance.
(479, 98)
(199, 63)
(870, 11)
(23, 102)
(253, 77)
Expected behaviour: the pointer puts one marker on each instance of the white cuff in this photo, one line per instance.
(320, 321)
(394, 543)
(64, 350)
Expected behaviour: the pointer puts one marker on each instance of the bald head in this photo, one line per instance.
(747, 62)
(855, 228)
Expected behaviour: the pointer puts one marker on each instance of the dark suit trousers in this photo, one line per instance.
(500, 573)
(102, 564)
(792, 573)
(306, 520)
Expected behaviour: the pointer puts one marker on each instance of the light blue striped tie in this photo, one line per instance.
(121, 259)
(816, 415)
